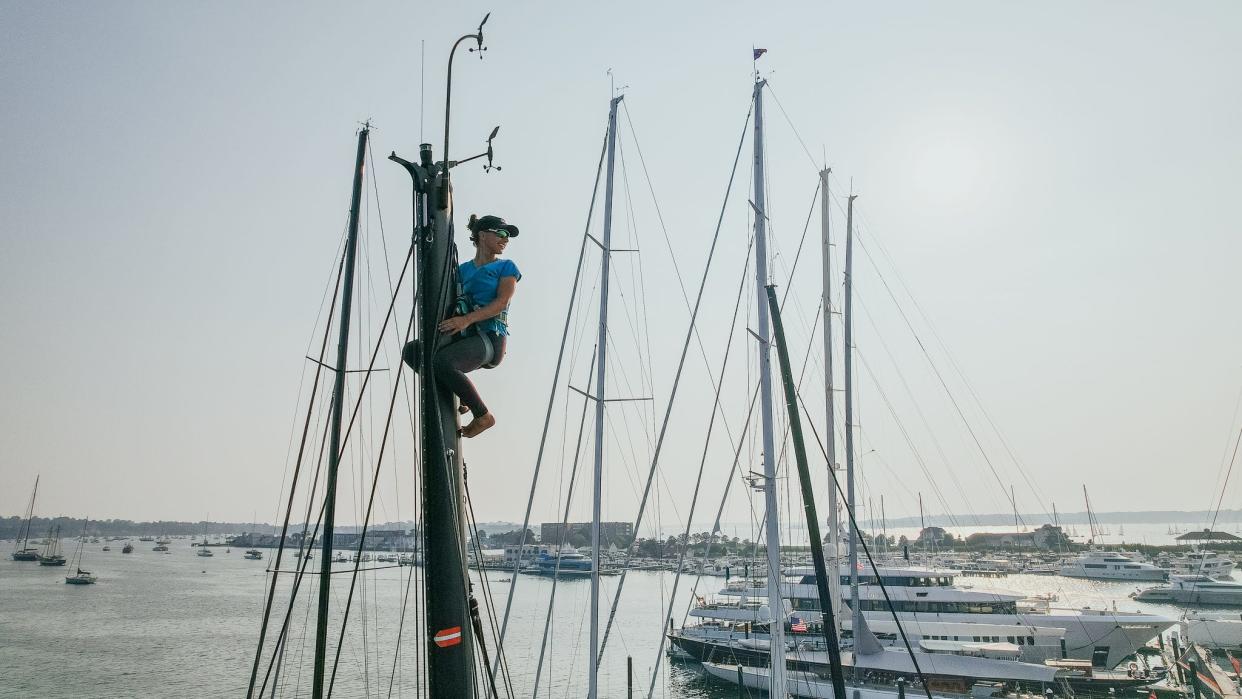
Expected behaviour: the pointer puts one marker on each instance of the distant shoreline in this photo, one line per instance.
(71, 526)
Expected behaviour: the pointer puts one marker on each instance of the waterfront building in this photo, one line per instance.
(610, 532)
(1045, 537)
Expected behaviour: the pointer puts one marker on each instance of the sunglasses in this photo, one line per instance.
(499, 233)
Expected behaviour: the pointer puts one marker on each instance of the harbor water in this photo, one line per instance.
(177, 624)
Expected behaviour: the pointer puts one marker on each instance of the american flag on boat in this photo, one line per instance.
(796, 624)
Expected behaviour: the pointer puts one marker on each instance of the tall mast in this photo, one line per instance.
(776, 686)
(1014, 500)
(1090, 519)
(600, 365)
(883, 521)
(922, 523)
(808, 503)
(830, 433)
(29, 515)
(446, 586)
(848, 320)
(338, 403)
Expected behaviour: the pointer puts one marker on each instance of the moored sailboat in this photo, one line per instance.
(23, 551)
(81, 577)
(51, 555)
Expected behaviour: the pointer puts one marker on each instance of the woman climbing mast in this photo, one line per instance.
(487, 286)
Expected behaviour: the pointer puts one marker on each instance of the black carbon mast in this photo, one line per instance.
(808, 505)
(450, 666)
(338, 403)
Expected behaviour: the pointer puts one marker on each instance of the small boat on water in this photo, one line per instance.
(51, 555)
(127, 548)
(254, 555)
(161, 548)
(203, 551)
(107, 548)
(23, 551)
(1194, 590)
(567, 563)
(81, 577)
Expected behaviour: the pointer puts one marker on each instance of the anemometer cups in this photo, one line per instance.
(495, 223)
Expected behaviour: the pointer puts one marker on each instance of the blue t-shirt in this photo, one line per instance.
(481, 284)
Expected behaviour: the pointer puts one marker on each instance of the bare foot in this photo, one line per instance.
(478, 425)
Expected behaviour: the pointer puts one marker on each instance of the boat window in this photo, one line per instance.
(1030, 640)
(1093, 565)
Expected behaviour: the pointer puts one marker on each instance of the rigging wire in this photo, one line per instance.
(667, 618)
(543, 438)
(280, 547)
(374, 484)
(862, 541)
(564, 529)
(690, 333)
(931, 433)
(345, 440)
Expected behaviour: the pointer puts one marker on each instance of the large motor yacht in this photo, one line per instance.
(1194, 589)
(1206, 563)
(1108, 565)
(937, 610)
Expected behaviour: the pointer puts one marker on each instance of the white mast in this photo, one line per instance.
(830, 437)
(600, 365)
(776, 686)
(849, 416)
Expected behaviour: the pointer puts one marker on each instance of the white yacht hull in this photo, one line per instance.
(1118, 634)
(1192, 596)
(1215, 631)
(799, 684)
(1148, 575)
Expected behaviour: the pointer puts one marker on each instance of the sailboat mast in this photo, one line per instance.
(1090, 519)
(776, 685)
(808, 502)
(848, 320)
(1014, 500)
(600, 369)
(29, 515)
(338, 403)
(830, 433)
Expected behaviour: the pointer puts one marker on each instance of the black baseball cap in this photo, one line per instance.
(495, 223)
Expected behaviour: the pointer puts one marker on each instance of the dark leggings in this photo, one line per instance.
(463, 355)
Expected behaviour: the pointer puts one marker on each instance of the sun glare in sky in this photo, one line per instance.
(948, 171)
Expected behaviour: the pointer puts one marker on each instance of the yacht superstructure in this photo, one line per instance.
(1194, 589)
(1206, 563)
(1109, 565)
(933, 608)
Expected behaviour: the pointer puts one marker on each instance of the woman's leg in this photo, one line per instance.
(451, 364)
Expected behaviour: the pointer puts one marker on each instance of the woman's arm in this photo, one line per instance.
(504, 294)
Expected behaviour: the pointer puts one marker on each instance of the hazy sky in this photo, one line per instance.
(1054, 183)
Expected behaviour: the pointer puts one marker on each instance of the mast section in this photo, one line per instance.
(776, 630)
(600, 372)
(830, 434)
(849, 417)
(338, 398)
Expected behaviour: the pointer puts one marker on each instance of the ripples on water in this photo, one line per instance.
(163, 625)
